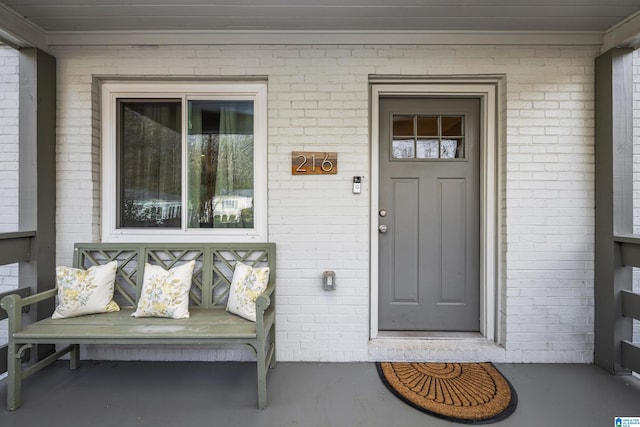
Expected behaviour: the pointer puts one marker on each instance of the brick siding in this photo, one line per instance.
(318, 99)
(8, 163)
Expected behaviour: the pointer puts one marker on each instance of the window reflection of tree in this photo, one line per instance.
(221, 163)
(150, 159)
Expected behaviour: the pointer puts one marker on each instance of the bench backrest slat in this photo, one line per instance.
(215, 263)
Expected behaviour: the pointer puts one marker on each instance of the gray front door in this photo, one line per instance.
(429, 237)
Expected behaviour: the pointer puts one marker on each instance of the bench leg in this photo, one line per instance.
(262, 376)
(262, 384)
(74, 356)
(14, 378)
(272, 347)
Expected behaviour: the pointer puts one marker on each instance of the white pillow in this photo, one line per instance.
(85, 291)
(165, 293)
(247, 284)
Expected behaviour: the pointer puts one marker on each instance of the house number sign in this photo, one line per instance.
(314, 163)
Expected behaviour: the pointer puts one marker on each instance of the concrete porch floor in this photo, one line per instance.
(300, 394)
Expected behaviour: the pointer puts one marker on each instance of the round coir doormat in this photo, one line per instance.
(469, 393)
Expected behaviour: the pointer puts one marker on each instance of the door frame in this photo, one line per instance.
(487, 90)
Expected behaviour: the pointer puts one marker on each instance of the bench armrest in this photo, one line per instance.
(264, 299)
(13, 305)
(265, 312)
(40, 296)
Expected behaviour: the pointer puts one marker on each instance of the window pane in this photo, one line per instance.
(220, 154)
(150, 164)
(403, 126)
(451, 149)
(451, 126)
(427, 149)
(428, 126)
(403, 149)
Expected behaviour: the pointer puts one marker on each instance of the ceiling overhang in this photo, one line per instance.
(624, 34)
(19, 32)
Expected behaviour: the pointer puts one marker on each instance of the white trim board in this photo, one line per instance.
(106, 38)
(487, 90)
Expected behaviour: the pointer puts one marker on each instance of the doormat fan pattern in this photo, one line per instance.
(468, 393)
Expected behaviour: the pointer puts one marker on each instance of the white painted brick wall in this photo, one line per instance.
(8, 139)
(319, 100)
(549, 206)
(8, 162)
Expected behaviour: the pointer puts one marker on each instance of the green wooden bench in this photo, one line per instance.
(209, 322)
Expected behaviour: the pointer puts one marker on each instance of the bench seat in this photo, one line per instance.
(209, 322)
(119, 327)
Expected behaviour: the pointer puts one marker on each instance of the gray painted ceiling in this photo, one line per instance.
(325, 15)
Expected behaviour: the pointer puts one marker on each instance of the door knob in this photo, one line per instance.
(382, 229)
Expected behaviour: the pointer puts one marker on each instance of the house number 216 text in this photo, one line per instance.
(314, 163)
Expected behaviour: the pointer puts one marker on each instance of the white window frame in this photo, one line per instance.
(111, 91)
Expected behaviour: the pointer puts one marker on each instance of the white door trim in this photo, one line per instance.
(487, 90)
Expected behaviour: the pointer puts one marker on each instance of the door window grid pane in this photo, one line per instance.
(433, 137)
(427, 148)
(403, 126)
(452, 126)
(427, 126)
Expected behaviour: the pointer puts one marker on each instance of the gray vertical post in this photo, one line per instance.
(613, 201)
(37, 179)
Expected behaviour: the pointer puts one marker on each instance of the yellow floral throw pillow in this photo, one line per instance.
(247, 284)
(85, 291)
(165, 293)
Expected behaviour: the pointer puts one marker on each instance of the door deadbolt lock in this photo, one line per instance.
(382, 213)
(383, 229)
